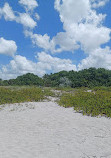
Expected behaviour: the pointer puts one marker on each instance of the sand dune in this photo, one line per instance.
(46, 130)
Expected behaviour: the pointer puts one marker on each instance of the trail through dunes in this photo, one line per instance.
(46, 130)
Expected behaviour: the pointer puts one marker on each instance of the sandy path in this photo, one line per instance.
(46, 130)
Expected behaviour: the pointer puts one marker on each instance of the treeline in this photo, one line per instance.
(27, 79)
(85, 78)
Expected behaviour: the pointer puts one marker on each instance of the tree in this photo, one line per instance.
(65, 82)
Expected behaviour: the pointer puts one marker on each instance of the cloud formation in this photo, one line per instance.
(54, 64)
(83, 28)
(7, 12)
(26, 20)
(29, 4)
(7, 47)
(22, 18)
(98, 3)
(100, 58)
(82, 24)
(21, 65)
(42, 41)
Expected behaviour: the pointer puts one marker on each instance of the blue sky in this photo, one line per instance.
(44, 36)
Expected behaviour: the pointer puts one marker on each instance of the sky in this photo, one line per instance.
(48, 36)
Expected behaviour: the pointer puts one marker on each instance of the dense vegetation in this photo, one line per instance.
(94, 103)
(22, 94)
(85, 78)
(29, 87)
(27, 79)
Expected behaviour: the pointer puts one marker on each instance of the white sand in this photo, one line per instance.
(46, 130)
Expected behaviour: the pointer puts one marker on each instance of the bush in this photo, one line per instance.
(89, 103)
(9, 95)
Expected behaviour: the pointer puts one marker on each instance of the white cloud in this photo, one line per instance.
(100, 58)
(82, 28)
(65, 42)
(82, 25)
(98, 3)
(91, 37)
(41, 41)
(7, 12)
(62, 40)
(26, 20)
(21, 65)
(54, 64)
(7, 47)
(23, 18)
(72, 10)
(37, 16)
(29, 4)
(18, 66)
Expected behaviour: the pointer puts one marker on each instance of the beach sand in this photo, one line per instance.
(46, 130)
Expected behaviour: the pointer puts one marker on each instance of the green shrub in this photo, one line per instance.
(89, 103)
(48, 92)
(9, 95)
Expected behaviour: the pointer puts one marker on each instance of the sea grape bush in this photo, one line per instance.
(22, 94)
(89, 103)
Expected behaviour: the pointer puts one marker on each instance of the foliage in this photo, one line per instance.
(89, 103)
(102, 88)
(27, 79)
(8, 95)
(48, 92)
(53, 80)
(65, 82)
(85, 78)
(91, 77)
(17, 94)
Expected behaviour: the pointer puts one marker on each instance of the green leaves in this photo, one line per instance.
(89, 103)
(8, 95)
(91, 77)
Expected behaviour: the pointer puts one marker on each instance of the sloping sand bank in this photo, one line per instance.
(46, 130)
